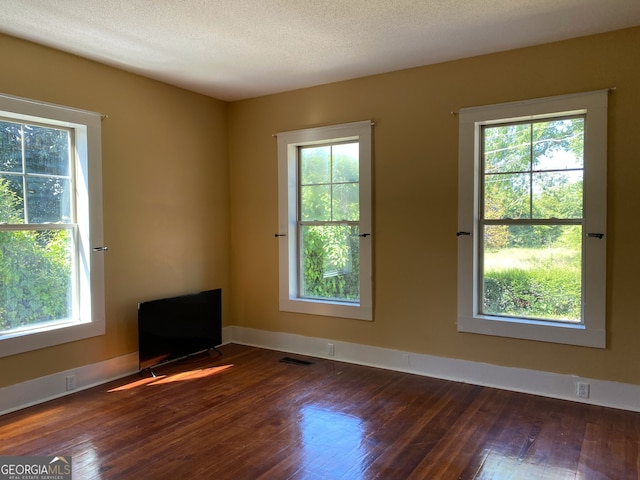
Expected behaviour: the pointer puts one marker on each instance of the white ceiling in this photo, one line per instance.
(236, 49)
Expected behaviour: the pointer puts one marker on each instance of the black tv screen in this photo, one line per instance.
(176, 327)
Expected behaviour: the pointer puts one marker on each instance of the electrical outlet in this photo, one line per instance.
(331, 349)
(71, 382)
(582, 390)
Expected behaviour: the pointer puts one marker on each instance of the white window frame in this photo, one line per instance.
(288, 147)
(591, 332)
(90, 318)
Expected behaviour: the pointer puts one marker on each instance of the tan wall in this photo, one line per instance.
(166, 192)
(415, 200)
(191, 200)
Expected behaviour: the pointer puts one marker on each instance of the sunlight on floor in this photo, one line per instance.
(178, 377)
(39, 417)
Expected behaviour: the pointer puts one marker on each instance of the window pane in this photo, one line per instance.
(345, 202)
(533, 271)
(558, 144)
(46, 150)
(330, 262)
(315, 165)
(10, 147)
(315, 203)
(35, 278)
(557, 194)
(507, 148)
(48, 200)
(507, 196)
(345, 162)
(11, 199)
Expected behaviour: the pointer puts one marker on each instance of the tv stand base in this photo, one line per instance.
(167, 362)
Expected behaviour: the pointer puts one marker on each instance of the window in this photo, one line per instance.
(325, 220)
(532, 218)
(51, 279)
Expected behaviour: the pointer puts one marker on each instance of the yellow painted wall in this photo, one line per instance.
(166, 192)
(190, 197)
(415, 200)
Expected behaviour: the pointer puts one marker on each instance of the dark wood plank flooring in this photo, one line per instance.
(246, 415)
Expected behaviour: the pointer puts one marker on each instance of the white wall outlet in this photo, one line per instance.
(582, 389)
(331, 349)
(71, 382)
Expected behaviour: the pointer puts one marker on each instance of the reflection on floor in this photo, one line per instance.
(247, 415)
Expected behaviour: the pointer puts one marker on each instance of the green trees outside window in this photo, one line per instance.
(531, 215)
(36, 229)
(328, 222)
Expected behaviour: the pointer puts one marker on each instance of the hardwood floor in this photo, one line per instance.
(247, 415)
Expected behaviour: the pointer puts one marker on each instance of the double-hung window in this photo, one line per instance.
(532, 218)
(51, 279)
(325, 220)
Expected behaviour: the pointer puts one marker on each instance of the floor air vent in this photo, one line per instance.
(295, 361)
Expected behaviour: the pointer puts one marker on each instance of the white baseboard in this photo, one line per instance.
(38, 390)
(42, 389)
(601, 392)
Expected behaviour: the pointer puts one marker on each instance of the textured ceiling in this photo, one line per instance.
(236, 49)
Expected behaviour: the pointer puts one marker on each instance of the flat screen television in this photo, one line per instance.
(173, 328)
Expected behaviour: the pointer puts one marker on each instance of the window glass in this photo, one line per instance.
(46, 150)
(329, 198)
(11, 151)
(36, 273)
(331, 262)
(533, 271)
(533, 171)
(37, 269)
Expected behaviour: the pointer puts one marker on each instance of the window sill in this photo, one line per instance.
(327, 308)
(28, 340)
(526, 329)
